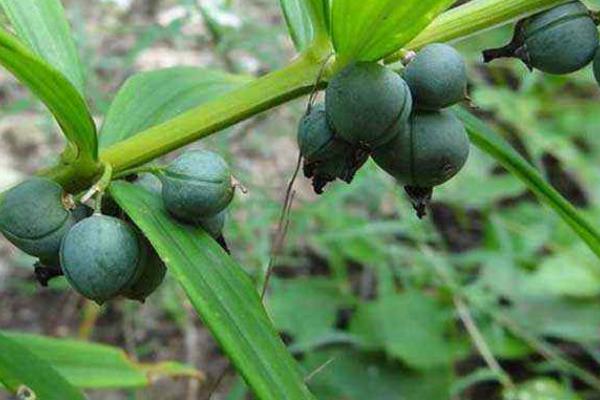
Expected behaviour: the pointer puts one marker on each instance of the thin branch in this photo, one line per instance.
(318, 370)
(282, 227)
(480, 343)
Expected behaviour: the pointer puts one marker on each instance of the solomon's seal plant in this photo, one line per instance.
(151, 273)
(428, 154)
(367, 104)
(327, 156)
(35, 216)
(437, 77)
(101, 256)
(197, 185)
(398, 118)
(558, 41)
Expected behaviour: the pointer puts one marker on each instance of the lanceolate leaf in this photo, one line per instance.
(489, 141)
(305, 19)
(44, 27)
(221, 293)
(150, 98)
(57, 93)
(96, 366)
(371, 30)
(22, 372)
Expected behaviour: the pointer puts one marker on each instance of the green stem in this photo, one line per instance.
(262, 94)
(474, 17)
(276, 88)
(146, 169)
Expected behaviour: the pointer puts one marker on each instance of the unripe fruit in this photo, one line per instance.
(34, 218)
(437, 77)
(367, 104)
(81, 212)
(214, 225)
(151, 183)
(100, 257)
(559, 41)
(153, 272)
(197, 185)
(430, 153)
(326, 157)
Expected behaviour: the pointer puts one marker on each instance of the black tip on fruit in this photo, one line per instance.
(319, 184)
(223, 243)
(420, 199)
(44, 274)
(501, 52)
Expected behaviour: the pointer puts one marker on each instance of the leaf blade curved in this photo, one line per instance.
(58, 94)
(490, 142)
(150, 98)
(43, 26)
(222, 294)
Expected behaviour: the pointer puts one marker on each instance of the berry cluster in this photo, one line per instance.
(104, 256)
(399, 119)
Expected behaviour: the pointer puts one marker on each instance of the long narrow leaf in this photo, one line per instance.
(490, 142)
(221, 293)
(24, 373)
(150, 98)
(44, 27)
(305, 20)
(370, 30)
(97, 366)
(58, 94)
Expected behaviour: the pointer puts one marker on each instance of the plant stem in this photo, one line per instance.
(474, 17)
(276, 88)
(146, 169)
(262, 94)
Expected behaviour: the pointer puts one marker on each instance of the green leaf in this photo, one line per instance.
(222, 294)
(581, 279)
(559, 318)
(150, 98)
(306, 19)
(540, 389)
(306, 308)
(91, 365)
(410, 326)
(44, 27)
(21, 372)
(58, 94)
(489, 141)
(371, 30)
(350, 375)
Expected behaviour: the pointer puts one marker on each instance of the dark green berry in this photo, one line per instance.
(367, 104)
(197, 185)
(559, 41)
(81, 212)
(214, 225)
(437, 77)
(151, 183)
(33, 216)
(431, 152)
(153, 271)
(100, 257)
(326, 156)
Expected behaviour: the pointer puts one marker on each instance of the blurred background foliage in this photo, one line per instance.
(490, 297)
